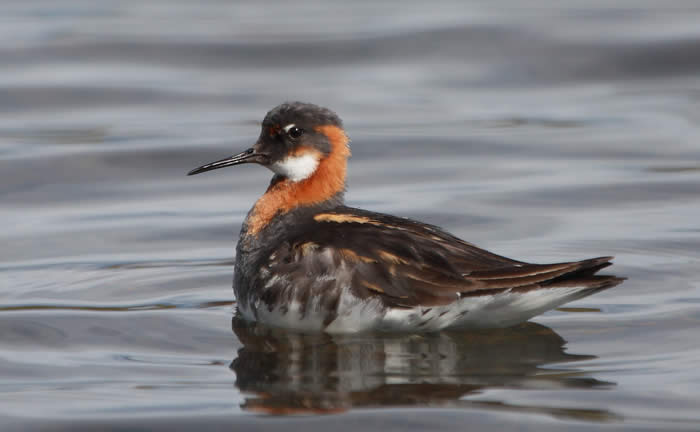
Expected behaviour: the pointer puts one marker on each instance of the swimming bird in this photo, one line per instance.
(308, 262)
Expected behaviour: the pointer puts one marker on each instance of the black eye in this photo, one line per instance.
(295, 132)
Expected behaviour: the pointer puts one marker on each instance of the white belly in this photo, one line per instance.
(355, 315)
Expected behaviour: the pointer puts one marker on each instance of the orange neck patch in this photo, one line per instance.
(323, 184)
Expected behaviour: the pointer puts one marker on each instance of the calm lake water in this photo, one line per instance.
(556, 131)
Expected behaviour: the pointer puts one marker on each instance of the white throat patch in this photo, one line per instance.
(296, 168)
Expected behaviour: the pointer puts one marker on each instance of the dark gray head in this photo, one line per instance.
(295, 138)
(305, 115)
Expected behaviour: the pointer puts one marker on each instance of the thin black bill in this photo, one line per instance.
(247, 156)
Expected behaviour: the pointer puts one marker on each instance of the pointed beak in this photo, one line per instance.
(248, 156)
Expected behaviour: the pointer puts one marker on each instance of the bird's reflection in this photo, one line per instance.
(283, 372)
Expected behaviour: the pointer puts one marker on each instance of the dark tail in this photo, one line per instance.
(584, 276)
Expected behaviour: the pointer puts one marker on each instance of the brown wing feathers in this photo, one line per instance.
(407, 263)
(527, 274)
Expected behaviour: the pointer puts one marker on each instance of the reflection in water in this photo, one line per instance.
(292, 373)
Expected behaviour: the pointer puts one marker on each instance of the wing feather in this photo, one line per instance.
(404, 262)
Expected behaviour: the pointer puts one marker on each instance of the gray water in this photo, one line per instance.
(549, 131)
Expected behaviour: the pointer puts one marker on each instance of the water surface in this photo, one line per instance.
(556, 131)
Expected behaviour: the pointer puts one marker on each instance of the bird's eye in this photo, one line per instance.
(295, 132)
